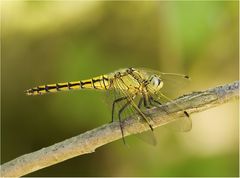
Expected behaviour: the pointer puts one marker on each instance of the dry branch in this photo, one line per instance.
(87, 142)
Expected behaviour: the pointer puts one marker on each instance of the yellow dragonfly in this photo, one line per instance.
(135, 90)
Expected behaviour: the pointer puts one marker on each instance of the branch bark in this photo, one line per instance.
(87, 142)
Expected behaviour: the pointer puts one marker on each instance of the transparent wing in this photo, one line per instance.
(147, 137)
(121, 85)
(119, 91)
(116, 95)
(173, 83)
(183, 123)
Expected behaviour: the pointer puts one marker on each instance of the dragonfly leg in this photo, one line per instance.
(144, 118)
(113, 105)
(145, 102)
(120, 119)
(140, 103)
(156, 101)
(151, 99)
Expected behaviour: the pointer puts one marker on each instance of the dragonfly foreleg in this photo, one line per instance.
(151, 99)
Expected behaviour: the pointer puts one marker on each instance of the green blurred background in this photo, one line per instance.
(56, 41)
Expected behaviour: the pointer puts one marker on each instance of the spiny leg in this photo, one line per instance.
(145, 102)
(151, 99)
(141, 101)
(120, 119)
(139, 106)
(124, 107)
(185, 112)
(113, 105)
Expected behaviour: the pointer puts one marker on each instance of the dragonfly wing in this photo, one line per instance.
(183, 123)
(121, 86)
(147, 137)
(119, 91)
(116, 101)
(173, 84)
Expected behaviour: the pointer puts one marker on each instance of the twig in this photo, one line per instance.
(87, 142)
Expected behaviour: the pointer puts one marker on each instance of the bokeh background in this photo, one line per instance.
(55, 41)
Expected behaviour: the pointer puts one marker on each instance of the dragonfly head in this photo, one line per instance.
(155, 83)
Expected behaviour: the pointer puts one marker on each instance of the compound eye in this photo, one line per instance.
(155, 81)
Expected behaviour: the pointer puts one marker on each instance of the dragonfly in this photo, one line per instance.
(135, 90)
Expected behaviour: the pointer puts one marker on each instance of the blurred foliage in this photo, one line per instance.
(54, 41)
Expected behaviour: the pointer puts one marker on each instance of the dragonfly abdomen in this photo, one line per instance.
(101, 82)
